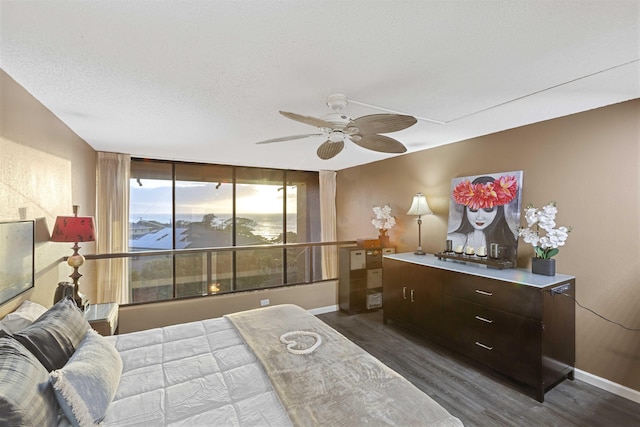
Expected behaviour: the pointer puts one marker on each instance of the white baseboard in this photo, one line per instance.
(610, 386)
(322, 310)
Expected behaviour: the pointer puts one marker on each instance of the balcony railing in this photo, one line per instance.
(170, 274)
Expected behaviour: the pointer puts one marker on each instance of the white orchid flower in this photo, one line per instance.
(383, 220)
(544, 219)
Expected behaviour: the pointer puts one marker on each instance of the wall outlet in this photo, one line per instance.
(560, 289)
(264, 302)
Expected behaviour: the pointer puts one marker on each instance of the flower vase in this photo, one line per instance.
(545, 267)
(383, 238)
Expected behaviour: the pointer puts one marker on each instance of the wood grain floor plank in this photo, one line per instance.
(478, 396)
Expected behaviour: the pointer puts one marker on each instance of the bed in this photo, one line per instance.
(274, 366)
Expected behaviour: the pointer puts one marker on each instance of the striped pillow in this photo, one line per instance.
(55, 335)
(26, 395)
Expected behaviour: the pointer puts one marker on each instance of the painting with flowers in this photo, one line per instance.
(485, 209)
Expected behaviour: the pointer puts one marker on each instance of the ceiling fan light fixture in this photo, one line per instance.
(336, 136)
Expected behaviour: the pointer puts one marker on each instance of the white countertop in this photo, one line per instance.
(515, 275)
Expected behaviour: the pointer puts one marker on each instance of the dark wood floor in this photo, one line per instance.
(477, 396)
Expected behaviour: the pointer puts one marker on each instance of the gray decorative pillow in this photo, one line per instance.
(54, 336)
(86, 385)
(26, 395)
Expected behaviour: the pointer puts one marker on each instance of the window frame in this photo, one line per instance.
(255, 176)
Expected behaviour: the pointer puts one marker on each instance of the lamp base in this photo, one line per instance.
(68, 289)
(420, 252)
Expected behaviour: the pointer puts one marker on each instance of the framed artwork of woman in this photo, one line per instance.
(485, 209)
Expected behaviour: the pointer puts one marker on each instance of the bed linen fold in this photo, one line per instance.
(338, 384)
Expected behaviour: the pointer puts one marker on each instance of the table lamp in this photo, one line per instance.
(73, 229)
(419, 207)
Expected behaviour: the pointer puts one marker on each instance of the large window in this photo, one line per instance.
(186, 206)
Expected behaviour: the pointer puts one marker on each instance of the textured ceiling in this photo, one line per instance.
(204, 80)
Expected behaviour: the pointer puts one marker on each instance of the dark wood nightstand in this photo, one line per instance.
(103, 317)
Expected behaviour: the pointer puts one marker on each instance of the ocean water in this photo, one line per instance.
(268, 225)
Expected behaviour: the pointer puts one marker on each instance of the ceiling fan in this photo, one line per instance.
(337, 128)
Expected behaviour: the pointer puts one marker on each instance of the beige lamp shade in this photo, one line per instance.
(419, 206)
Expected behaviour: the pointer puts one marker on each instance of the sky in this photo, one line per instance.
(154, 196)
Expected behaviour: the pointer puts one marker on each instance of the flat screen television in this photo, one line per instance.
(17, 266)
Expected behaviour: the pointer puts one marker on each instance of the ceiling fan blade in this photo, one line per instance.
(307, 120)
(380, 143)
(382, 123)
(330, 149)
(288, 138)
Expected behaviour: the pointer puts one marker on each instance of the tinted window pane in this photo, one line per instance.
(259, 206)
(204, 204)
(259, 269)
(151, 228)
(151, 278)
(206, 273)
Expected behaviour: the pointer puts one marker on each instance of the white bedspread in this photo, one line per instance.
(206, 374)
(193, 374)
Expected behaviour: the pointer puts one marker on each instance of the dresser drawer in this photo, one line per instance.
(510, 297)
(479, 321)
(508, 343)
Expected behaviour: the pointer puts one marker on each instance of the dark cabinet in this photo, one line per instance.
(360, 279)
(509, 321)
(414, 299)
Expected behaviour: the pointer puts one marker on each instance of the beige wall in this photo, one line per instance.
(138, 317)
(46, 168)
(589, 163)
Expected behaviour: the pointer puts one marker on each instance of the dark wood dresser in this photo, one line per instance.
(512, 321)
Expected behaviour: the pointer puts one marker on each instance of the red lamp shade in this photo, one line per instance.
(73, 229)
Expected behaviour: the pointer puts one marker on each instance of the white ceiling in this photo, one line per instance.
(204, 80)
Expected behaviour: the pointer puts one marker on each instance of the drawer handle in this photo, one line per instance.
(484, 292)
(486, 347)
(404, 292)
(412, 296)
(484, 320)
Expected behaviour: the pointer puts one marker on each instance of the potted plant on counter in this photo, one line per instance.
(547, 245)
(383, 222)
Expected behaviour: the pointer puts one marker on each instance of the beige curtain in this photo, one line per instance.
(328, 224)
(112, 217)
